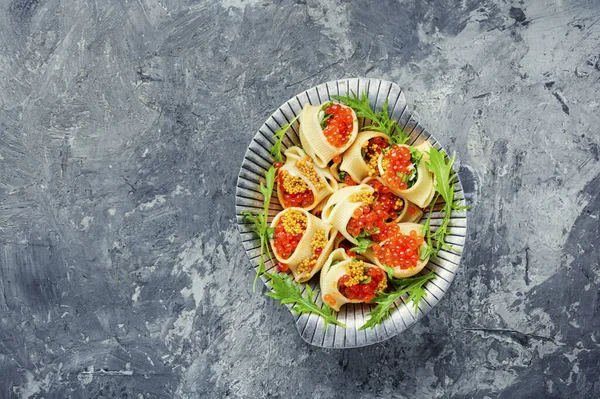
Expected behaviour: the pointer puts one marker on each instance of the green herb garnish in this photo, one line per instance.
(327, 116)
(286, 291)
(363, 245)
(390, 271)
(260, 223)
(444, 186)
(381, 121)
(279, 135)
(342, 176)
(403, 177)
(413, 286)
(415, 155)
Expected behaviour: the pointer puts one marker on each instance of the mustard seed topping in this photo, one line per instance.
(399, 203)
(356, 271)
(365, 197)
(294, 221)
(307, 264)
(372, 166)
(317, 244)
(319, 240)
(307, 169)
(381, 286)
(384, 163)
(293, 184)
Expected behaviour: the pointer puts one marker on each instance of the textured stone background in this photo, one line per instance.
(122, 128)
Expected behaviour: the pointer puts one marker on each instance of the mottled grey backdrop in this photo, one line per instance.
(122, 129)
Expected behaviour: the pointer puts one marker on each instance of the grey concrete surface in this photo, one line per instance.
(122, 129)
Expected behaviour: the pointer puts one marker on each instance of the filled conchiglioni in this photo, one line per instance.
(360, 161)
(345, 279)
(300, 183)
(343, 205)
(301, 242)
(387, 206)
(326, 131)
(402, 247)
(403, 169)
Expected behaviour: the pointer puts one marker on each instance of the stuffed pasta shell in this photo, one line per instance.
(342, 206)
(388, 206)
(360, 161)
(402, 247)
(345, 279)
(301, 241)
(300, 183)
(404, 171)
(327, 131)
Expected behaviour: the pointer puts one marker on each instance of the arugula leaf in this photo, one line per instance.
(441, 169)
(415, 155)
(413, 286)
(286, 291)
(260, 222)
(390, 271)
(279, 135)
(363, 245)
(361, 106)
(444, 186)
(422, 253)
(326, 116)
(403, 177)
(381, 121)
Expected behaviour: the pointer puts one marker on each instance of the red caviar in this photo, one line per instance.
(371, 151)
(300, 200)
(282, 267)
(362, 291)
(384, 208)
(397, 161)
(285, 242)
(329, 299)
(339, 126)
(399, 250)
(348, 180)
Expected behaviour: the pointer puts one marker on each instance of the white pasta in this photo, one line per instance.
(421, 193)
(407, 215)
(315, 229)
(314, 141)
(299, 165)
(330, 276)
(340, 207)
(354, 163)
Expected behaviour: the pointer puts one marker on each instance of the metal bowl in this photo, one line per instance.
(248, 198)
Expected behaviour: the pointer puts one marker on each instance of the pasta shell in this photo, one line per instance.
(339, 209)
(313, 140)
(330, 276)
(353, 162)
(422, 192)
(406, 216)
(322, 186)
(303, 250)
